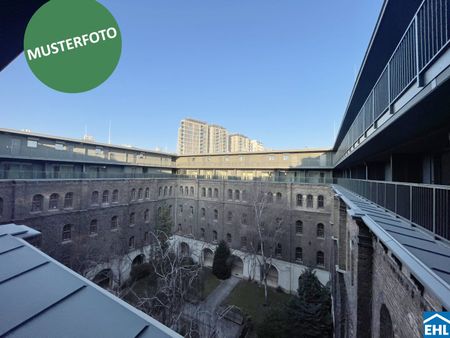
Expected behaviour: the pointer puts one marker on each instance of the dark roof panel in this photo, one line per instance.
(40, 297)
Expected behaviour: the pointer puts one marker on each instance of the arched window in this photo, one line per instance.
(229, 238)
(160, 191)
(94, 198)
(93, 227)
(140, 193)
(53, 201)
(309, 201)
(115, 196)
(1, 207)
(230, 194)
(386, 329)
(114, 222)
(279, 196)
(244, 219)
(165, 191)
(67, 233)
(320, 201)
(180, 228)
(133, 194)
(298, 254)
(68, 200)
(203, 214)
(202, 233)
(209, 192)
(191, 210)
(181, 190)
(216, 214)
(147, 192)
(192, 191)
(320, 258)
(131, 242)
(299, 200)
(146, 215)
(237, 195)
(229, 216)
(132, 219)
(186, 191)
(170, 190)
(269, 197)
(214, 236)
(278, 250)
(105, 197)
(37, 203)
(216, 193)
(203, 192)
(298, 227)
(180, 208)
(244, 242)
(320, 230)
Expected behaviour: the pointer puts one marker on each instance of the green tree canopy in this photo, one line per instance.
(221, 263)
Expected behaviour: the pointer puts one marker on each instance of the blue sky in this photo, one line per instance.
(276, 70)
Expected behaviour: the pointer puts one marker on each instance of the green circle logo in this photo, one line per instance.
(72, 46)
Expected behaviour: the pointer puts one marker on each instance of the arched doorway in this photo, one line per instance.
(103, 278)
(208, 257)
(386, 330)
(184, 248)
(138, 260)
(272, 277)
(237, 267)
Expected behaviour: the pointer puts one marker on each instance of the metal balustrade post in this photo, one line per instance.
(416, 41)
(434, 210)
(395, 198)
(410, 202)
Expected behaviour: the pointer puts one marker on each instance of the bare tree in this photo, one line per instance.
(266, 231)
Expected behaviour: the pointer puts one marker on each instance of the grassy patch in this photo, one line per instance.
(211, 282)
(250, 298)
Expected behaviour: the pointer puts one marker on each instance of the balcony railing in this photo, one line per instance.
(51, 175)
(427, 206)
(427, 35)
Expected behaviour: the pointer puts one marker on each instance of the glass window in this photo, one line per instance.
(320, 201)
(37, 203)
(115, 196)
(320, 258)
(32, 143)
(298, 227)
(67, 232)
(114, 222)
(299, 200)
(132, 218)
(309, 201)
(298, 254)
(105, 197)
(93, 227)
(68, 200)
(53, 202)
(320, 230)
(94, 198)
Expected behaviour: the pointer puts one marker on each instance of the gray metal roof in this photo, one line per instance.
(426, 258)
(40, 297)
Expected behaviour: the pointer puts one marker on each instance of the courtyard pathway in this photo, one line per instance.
(219, 294)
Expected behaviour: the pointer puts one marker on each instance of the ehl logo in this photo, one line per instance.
(436, 324)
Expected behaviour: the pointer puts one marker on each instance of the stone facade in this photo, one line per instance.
(119, 213)
(374, 294)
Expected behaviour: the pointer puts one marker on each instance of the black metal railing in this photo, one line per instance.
(427, 206)
(426, 36)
